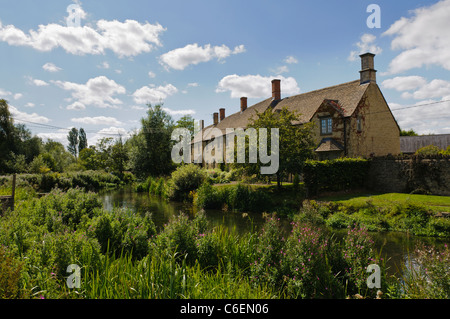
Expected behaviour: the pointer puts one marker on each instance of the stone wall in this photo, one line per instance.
(406, 175)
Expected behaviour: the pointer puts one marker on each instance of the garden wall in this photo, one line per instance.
(414, 174)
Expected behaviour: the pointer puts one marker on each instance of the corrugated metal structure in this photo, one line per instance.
(410, 144)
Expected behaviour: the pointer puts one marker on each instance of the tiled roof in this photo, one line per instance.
(348, 95)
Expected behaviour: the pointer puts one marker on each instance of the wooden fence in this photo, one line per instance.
(7, 202)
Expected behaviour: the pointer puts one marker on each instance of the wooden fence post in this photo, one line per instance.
(13, 192)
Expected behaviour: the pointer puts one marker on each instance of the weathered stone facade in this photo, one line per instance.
(416, 174)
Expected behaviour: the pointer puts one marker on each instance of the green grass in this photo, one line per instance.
(434, 203)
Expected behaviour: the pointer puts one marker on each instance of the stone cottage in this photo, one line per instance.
(352, 119)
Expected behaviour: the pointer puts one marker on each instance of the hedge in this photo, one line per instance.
(335, 175)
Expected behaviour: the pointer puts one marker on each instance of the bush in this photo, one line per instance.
(10, 272)
(180, 236)
(185, 179)
(122, 231)
(335, 175)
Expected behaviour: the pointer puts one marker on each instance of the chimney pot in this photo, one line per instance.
(216, 118)
(368, 72)
(222, 114)
(276, 90)
(243, 104)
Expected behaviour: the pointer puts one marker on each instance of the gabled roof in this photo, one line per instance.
(347, 95)
(329, 145)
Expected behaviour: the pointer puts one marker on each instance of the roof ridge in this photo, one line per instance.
(327, 88)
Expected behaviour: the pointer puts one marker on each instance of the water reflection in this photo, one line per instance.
(395, 247)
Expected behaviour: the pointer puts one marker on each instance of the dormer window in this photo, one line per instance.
(326, 125)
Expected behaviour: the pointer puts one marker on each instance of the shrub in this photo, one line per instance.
(122, 231)
(307, 268)
(10, 272)
(358, 253)
(185, 179)
(429, 150)
(180, 236)
(335, 175)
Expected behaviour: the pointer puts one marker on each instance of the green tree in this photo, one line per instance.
(73, 142)
(119, 157)
(82, 140)
(186, 121)
(408, 133)
(151, 146)
(296, 143)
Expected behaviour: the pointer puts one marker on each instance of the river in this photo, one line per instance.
(396, 247)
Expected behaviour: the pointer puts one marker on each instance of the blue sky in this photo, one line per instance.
(199, 56)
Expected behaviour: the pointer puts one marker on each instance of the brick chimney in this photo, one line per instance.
(222, 114)
(243, 104)
(276, 90)
(216, 118)
(368, 72)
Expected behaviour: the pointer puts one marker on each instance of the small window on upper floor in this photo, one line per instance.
(359, 123)
(326, 125)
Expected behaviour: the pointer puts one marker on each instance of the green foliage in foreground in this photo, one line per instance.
(122, 255)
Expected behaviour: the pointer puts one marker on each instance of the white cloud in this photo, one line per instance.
(99, 120)
(22, 117)
(99, 91)
(255, 86)
(18, 96)
(291, 60)
(113, 131)
(404, 83)
(125, 39)
(29, 104)
(50, 67)
(4, 93)
(57, 137)
(434, 89)
(151, 74)
(76, 106)
(104, 65)
(429, 117)
(178, 112)
(152, 95)
(281, 69)
(193, 54)
(193, 84)
(423, 38)
(365, 45)
(36, 82)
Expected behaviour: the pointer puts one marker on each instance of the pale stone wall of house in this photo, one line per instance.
(380, 134)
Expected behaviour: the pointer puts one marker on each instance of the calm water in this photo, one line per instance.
(396, 247)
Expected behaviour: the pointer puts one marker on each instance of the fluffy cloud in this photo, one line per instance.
(36, 82)
(178, 112)
(422, 38)
(113, 131)
(429, 117)
(98, 91)
(152, 95)
(193, 54)
(366, 44)
(291, 60)
(404, 83)
(99, 120)
(50, 67)
(434, 89)
(22, 117)
(125, 39)
(255, 86)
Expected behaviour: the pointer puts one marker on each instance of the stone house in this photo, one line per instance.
(352, 119)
